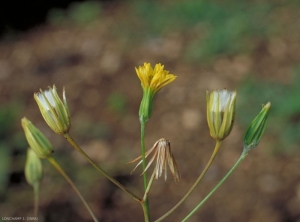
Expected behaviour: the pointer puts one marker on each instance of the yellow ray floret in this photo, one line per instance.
(155, 78)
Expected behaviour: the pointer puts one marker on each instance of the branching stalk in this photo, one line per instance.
(75, 145)
(67, 178)
(242, 157)
(217, 147)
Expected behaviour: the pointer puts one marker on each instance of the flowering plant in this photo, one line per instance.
(220, 118)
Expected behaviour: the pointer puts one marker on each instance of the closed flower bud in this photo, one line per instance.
(152, 80)
(33, 168)
(220, 112)
(55, 112)
(36, 139)
(256, 129)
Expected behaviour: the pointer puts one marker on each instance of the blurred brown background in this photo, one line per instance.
(91, 48)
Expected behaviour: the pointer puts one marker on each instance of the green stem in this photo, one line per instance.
(148, 187)
(36, 199)
(143, 124)
(67, 178)
(145, 199)
(145, 211)
(216, 150)
(242, 157)
(75, 145)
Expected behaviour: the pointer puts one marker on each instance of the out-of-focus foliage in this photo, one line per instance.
(90, 130)
(284, 121)
(7, 120)
(5, 160)
(8, 139)
(217, 28)
(117, 103)
(80, 13)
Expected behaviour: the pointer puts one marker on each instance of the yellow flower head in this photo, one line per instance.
(152, 80)
(155, 78)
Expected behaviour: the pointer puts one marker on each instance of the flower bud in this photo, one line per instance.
(220, 112)
(33, 168)
(152, 81)
(256, 129)
(36, 139)
(55, 112)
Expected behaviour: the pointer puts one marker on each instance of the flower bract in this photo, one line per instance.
(55, 112)
(36, 139)
(220, 112)
(256, 128)
(33, 168)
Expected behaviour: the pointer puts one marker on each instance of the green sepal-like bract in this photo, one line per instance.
(220, 113)
(33, 168)
(256, 128)
(36, 139)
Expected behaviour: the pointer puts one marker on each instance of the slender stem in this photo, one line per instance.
(145, 211)
(145, 199)
(67, 178)
(75, 145)
(217, 147)
(36, 199)
(143, 125)
(242, 157)
(148, 187)
(144, 205)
